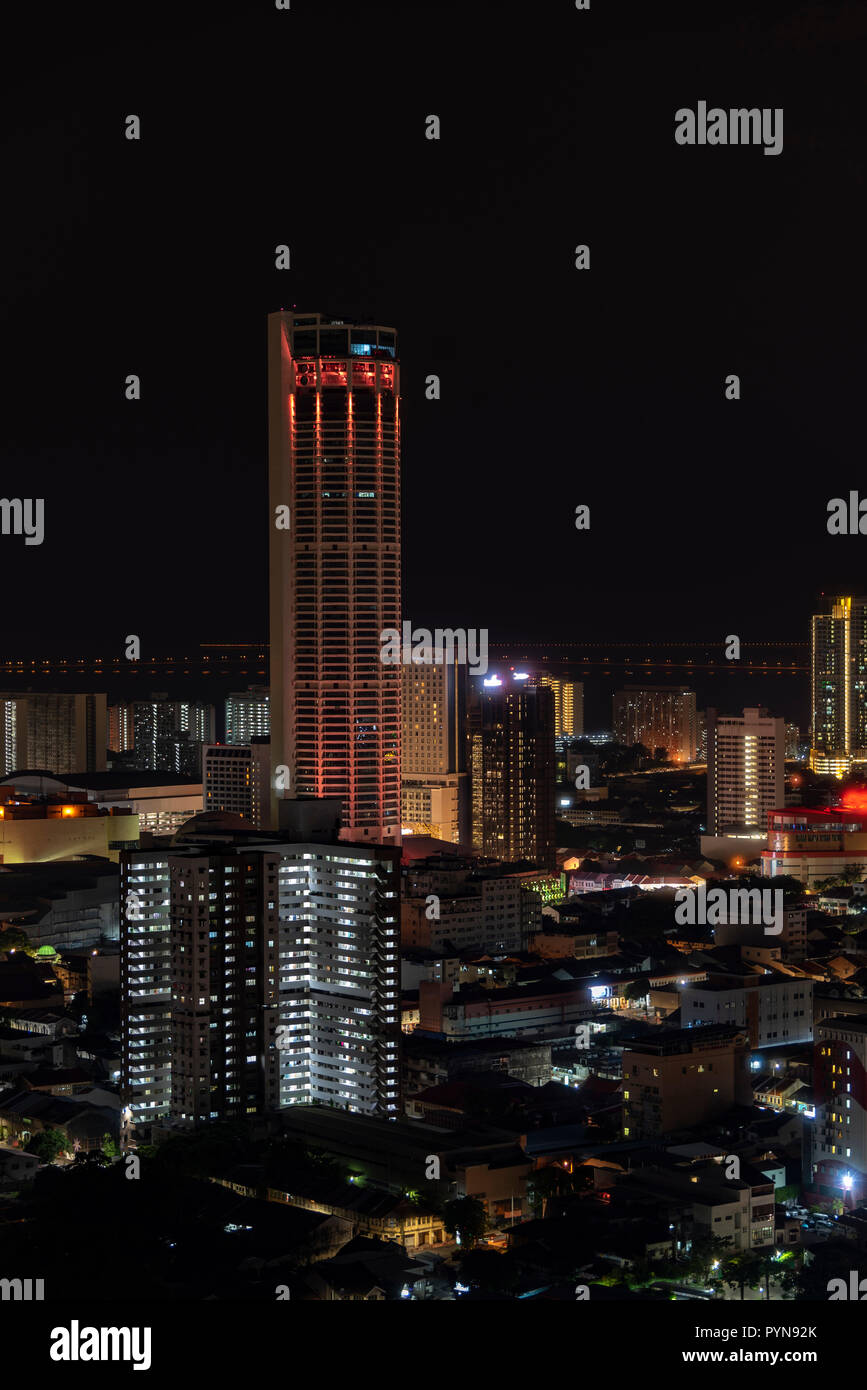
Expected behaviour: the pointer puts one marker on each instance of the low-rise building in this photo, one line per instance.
(771, 1009)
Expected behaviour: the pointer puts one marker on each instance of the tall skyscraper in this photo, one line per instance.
(657, 716)
(248, 714)
(339, 934)
(145, 985)
(258, 973)
(568, 704)
(121, 727)
(168, 734)
(838, 731)
(701, 736)
(511, 741)
(199, 1020)
(56, 733)
(746, 765)
(334, 450)
(433, 739)
(8, 734)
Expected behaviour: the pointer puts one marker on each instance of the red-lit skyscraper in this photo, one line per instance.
(334, 449)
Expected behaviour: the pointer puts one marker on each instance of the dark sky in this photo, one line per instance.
(559, 387)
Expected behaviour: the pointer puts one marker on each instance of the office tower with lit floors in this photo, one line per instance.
(236, 778)
(838, 677)
(433, 749)
(568, 704)
(510, 729)
(334, 481)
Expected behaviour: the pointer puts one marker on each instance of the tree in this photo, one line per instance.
(465, 1218)
(545, 1183)
(706, 1251)
(14, 939)
(47, 1145)
(636, 989)
(109, 1146)
(830, 1261)
(743, 1270)
(91, 1158)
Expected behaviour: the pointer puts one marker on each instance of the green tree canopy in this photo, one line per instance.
(47, 1145)
(465, 1217)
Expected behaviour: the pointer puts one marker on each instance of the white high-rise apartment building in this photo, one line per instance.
(248, 714)
(258, 974)
(56, 733)
(146, 986)
(340, 977)
(745, 770)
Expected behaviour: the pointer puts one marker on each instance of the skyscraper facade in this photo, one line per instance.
(8, 734)
(236, 779)
(838, 1136)
(146, 986)
(433, 780)
(121, 727)
(248, 714)
(334, 470)
(339, 1000)
(258, 974)
(746, 765)
(657, 716)
(838, 667)
(168, 734)
(54, 732)
(568, 704)
(512, 770)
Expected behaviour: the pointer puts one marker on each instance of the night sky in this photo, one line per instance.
(559, 387)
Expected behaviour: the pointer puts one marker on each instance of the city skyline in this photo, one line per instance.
(491, 305)
(433, 677)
